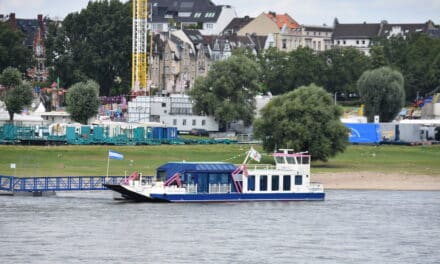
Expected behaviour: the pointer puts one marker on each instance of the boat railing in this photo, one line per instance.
(191, 188)
(316, 187)
(261, 167)
(219, 188)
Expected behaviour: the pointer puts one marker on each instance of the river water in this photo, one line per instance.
(349, 227)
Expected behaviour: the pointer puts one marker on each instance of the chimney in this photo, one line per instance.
(12, 19)
(40, 18)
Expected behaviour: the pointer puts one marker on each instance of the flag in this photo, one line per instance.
(253, 154)
(115, 155)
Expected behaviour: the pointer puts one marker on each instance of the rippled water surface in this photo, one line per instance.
(349, 227)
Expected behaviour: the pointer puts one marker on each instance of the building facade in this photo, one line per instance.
(203, 15)
(35, 32)
(361, 36)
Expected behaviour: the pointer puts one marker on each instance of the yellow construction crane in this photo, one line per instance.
(139, 51)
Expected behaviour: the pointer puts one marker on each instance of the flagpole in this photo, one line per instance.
(108, 165)
(247, 157)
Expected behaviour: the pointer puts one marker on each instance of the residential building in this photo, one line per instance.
(236, 24)
(278, 28)
(34, 31)
(361, 36)
(203, 15)
(180, 56)
(318, 38)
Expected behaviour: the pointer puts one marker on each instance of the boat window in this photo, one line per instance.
(190, 179)
(279, 160)
(224, 178)
(290, 160)
(305, 160)
(251, 183)
(298, 180)
(275, 182)
(214, 178)
(286, 183)
(161, 176)
(263, 182)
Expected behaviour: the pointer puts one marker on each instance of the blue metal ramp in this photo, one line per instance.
(68, 183)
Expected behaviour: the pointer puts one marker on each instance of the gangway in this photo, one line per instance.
(49, 184)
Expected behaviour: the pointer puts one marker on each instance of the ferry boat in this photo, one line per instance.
(288, 180)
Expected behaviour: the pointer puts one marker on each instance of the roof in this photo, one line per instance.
(356, 30)
(318, 28)
(282, 20)
(387, 29)
(203, 167)
(236, 24)
(30, 28)
(184, 11)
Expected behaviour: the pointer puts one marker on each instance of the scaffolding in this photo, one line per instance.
(139, 51)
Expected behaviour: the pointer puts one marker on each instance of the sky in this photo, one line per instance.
(309, 12)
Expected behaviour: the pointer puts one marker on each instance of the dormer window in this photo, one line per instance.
(197, 15)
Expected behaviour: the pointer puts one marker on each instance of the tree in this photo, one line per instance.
(343, 68)
(94, 44)
(383, 93)
(13, 53)
(415, 57)
(82, 101)
(17, 98)
(228, 92)
(306, 120)
(10, 77)
(275, 76)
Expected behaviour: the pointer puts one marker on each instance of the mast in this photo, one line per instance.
(139, 48)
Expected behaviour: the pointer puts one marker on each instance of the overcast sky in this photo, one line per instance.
(312, 12)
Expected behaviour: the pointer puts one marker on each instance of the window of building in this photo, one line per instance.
(286, 183)
(184, 122)
(251, 183)
(275, 182)
(209, 25)
(174, 122)
(357, 42)
(198, 14)
(363, 41)
(263, 182)
(164, 104)
(203, 122)
(194, 122)
(298, 180)
(339, 42)
(343, 42)
(284, 44)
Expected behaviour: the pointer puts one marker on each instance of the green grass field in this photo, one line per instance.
(92, 160)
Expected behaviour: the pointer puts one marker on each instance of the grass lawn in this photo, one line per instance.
(92, 160)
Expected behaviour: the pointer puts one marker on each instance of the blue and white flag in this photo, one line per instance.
(115, 155)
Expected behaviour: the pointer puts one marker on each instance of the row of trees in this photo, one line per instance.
(417, 57)
(304, 118)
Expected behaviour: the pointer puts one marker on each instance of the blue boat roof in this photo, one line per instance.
(181, 167)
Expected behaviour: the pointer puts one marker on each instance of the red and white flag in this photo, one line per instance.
(253, 154)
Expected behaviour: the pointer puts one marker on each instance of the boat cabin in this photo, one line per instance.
(198, 177)
(291, 173)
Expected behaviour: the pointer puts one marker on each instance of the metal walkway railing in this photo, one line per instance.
(66, 183)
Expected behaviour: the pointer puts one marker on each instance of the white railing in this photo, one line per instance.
(219, 188)
(260, 167)
(191, 188)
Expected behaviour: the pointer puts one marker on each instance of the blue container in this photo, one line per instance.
(364, 133)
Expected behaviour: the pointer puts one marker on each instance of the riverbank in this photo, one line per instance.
(377, 181)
